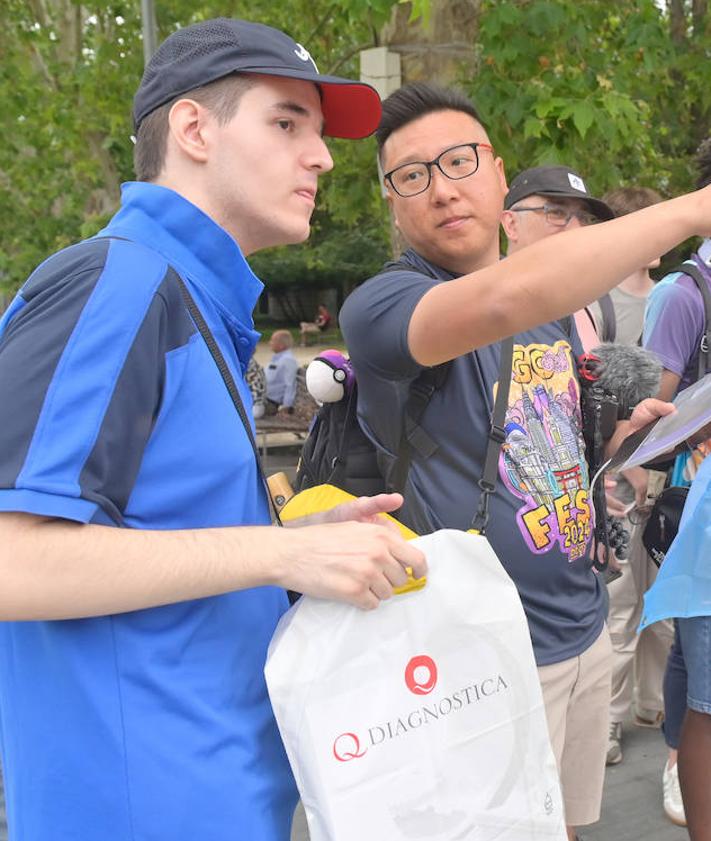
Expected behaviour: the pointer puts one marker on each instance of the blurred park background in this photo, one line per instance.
(618, 90)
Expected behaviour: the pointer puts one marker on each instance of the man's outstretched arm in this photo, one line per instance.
(552, 278)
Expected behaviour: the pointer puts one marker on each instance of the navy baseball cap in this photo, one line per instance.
(555, 182)
(207, 51)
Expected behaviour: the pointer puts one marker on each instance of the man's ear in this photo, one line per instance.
(391, 207)
(509, 222)
(501, 172)
(189, 126)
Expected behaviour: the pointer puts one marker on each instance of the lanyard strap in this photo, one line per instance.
(497, 436)
(229, 382)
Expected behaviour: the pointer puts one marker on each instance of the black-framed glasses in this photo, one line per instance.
(455, 163)
(559, 216)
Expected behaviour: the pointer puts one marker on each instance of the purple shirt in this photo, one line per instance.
(674, 321)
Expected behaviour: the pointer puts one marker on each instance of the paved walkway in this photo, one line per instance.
(304, 355)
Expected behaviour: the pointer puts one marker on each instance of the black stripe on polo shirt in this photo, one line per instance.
(34, 341)
(110, 471)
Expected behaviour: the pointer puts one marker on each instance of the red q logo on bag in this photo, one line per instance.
(421, 675)
(347, 747)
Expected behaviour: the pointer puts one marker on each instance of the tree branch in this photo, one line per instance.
(324, 19)
(347, 56)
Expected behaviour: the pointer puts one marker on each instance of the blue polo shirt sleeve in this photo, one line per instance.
(82, 358)
(375, 320)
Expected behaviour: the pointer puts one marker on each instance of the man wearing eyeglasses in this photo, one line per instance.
(547, 200)
(450, 299)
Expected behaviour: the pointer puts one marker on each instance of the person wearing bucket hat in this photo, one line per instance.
(126, 468)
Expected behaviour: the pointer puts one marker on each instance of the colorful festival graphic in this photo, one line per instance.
(543, 459)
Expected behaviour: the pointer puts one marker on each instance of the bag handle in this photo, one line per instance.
(497, 436)
(229, 382)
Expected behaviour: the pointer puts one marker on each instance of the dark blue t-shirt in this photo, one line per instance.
(541, 517)
(154, 724)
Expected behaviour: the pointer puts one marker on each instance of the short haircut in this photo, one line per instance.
(221, 97)
(284, 338)
(626, 200)
(703, 164)
(416, 100)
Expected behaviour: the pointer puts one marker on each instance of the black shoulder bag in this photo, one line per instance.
(229, 382)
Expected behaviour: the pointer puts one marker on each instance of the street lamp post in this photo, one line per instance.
(148, 27)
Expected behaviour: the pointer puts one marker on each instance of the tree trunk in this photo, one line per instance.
(699, 18)
(440, 51)
(677, 21)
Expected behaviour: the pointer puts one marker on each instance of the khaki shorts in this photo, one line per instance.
(576, 694)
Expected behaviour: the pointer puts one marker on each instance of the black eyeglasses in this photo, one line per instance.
(560, 216)
(455, 163)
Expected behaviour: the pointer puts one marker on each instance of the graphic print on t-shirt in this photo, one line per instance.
(543, 458)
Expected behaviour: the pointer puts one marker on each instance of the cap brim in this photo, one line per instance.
(350, 109)
(597, 207)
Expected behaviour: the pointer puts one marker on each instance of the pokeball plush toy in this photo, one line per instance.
(330, 377)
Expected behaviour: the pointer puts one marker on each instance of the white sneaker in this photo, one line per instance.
(614, 744)
(673, 804)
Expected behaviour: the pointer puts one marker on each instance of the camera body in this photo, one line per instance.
(601, 410)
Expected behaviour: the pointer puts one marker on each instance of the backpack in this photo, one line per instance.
(338, 452)
(665, 516)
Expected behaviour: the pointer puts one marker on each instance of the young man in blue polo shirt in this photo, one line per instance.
(132, 698)
(141, 582)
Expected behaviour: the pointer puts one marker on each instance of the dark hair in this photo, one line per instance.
(626, 200)
(221, 97)
(703, 164)
(416, 100)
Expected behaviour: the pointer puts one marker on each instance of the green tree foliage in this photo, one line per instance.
(619, 90)
(68, 71)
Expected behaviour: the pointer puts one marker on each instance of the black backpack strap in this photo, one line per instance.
(497, 436)
(229, 382)
(705, 346)
(225, 373)
(609, 319)
(412, 436)
(566, 325)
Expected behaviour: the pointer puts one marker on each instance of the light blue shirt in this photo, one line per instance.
(281, 378)
(683, 586)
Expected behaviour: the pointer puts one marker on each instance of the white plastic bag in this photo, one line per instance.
(422, 719)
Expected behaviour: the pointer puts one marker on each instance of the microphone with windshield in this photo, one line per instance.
(614, 378)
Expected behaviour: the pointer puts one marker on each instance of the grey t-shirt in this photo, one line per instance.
(629, 316)
(541, 518)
